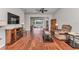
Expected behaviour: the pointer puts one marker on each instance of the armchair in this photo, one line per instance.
(61, 34)
(47, 36)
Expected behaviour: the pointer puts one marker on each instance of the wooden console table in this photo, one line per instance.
(12, 35)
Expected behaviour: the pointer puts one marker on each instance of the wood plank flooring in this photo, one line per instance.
(34, 41)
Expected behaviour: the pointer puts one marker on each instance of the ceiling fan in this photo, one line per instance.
(42, 10)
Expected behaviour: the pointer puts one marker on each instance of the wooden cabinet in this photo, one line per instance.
(12, 35)
(19, 33)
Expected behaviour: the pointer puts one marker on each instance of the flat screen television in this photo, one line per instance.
(13, 19)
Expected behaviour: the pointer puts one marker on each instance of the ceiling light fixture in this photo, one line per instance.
(42, 10)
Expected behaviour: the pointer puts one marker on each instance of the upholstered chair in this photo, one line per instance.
(61, 34)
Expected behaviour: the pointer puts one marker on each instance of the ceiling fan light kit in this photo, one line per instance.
(42, 10)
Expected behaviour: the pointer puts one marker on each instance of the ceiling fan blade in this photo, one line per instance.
(42, 10)
(46, 10)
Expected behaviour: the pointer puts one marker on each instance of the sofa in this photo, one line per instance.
(61, 34)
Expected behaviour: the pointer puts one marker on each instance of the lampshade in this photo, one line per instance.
(56, 24)
(2, 22)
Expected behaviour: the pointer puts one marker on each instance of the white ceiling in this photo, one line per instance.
(35, 10)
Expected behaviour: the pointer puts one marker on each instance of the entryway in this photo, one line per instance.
(39, 23)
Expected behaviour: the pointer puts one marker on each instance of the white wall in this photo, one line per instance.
(68, 16)
(2, 37)
(27, 22)
(16, 11)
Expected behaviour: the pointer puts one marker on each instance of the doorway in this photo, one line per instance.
(36, 24)
(53, 25)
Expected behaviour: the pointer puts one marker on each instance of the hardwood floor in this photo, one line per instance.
(34, 41)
